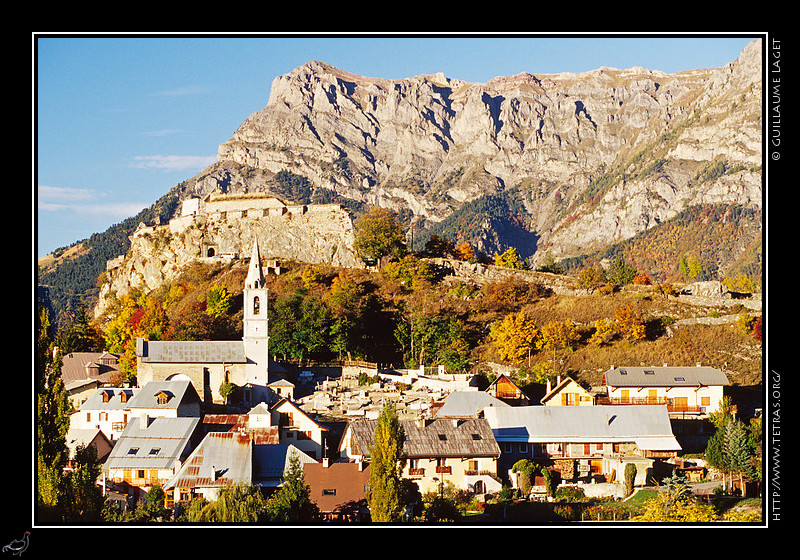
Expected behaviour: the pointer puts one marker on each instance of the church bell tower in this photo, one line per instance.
(256, 322)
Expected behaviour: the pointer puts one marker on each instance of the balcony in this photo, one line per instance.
(671, 406)
(443, 470)
(416, 472)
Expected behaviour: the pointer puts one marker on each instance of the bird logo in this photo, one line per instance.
(18, 546)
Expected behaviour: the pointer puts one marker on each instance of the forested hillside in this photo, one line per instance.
(723, 241)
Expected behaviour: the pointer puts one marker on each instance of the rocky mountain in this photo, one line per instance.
(561, 165)
(582, 160)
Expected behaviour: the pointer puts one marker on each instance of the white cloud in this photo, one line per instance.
(173, 163)
(61, 194)
(84, 202)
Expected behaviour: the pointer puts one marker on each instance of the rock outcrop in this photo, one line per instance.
(594, 157)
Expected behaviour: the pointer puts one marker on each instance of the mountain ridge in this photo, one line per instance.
(590, 159)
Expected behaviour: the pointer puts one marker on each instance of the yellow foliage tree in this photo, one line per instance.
(509, 259)
(514, 336)
(603, 332)
(555, 336)
(629, 323)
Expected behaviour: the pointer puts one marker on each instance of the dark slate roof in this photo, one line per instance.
(180, 391)
(642, 376)
(466, 437)
(191, 351)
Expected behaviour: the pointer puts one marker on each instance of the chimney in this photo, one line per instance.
(548, 386)
(326, 462)
(144, 421)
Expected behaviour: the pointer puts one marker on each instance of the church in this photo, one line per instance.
(210, 364)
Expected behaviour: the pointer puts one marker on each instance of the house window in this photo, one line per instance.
(649, 372)
(476, 437)
(140, 473)
(705, 401)
(133, 451)
(680, 379)
(256, 305)
(155, 451)
(442, 437)
(123, 396)
(329, 491)
(523, 448)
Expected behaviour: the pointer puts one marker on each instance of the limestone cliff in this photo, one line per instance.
(588, 159)
(593, 157)
(223, 227)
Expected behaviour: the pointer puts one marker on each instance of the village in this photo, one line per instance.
(176, 429)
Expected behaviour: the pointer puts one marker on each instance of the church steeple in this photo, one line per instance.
(256, 322)
(255, 275)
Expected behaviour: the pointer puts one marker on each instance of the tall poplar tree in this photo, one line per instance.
(386, 464)
(52, 420)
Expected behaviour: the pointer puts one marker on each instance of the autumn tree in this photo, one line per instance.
(603, 332)
(464, 251)
(386, 464)
(590, 278)
(219, 300)
(676, 504)
(690, 267)
(556, 336)
(514, 336)
(509, 258)
(509, 293)
(379, 234)
(629, 323)
(439, 247)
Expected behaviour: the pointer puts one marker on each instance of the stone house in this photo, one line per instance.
(584, 442)
(459, 451)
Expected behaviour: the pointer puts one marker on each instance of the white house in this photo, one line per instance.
(299, 429)
(151, 450)
(107, 410)
(685, 390)
(166, 399)
(582, 441)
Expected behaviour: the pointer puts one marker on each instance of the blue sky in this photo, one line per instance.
(120, 120)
